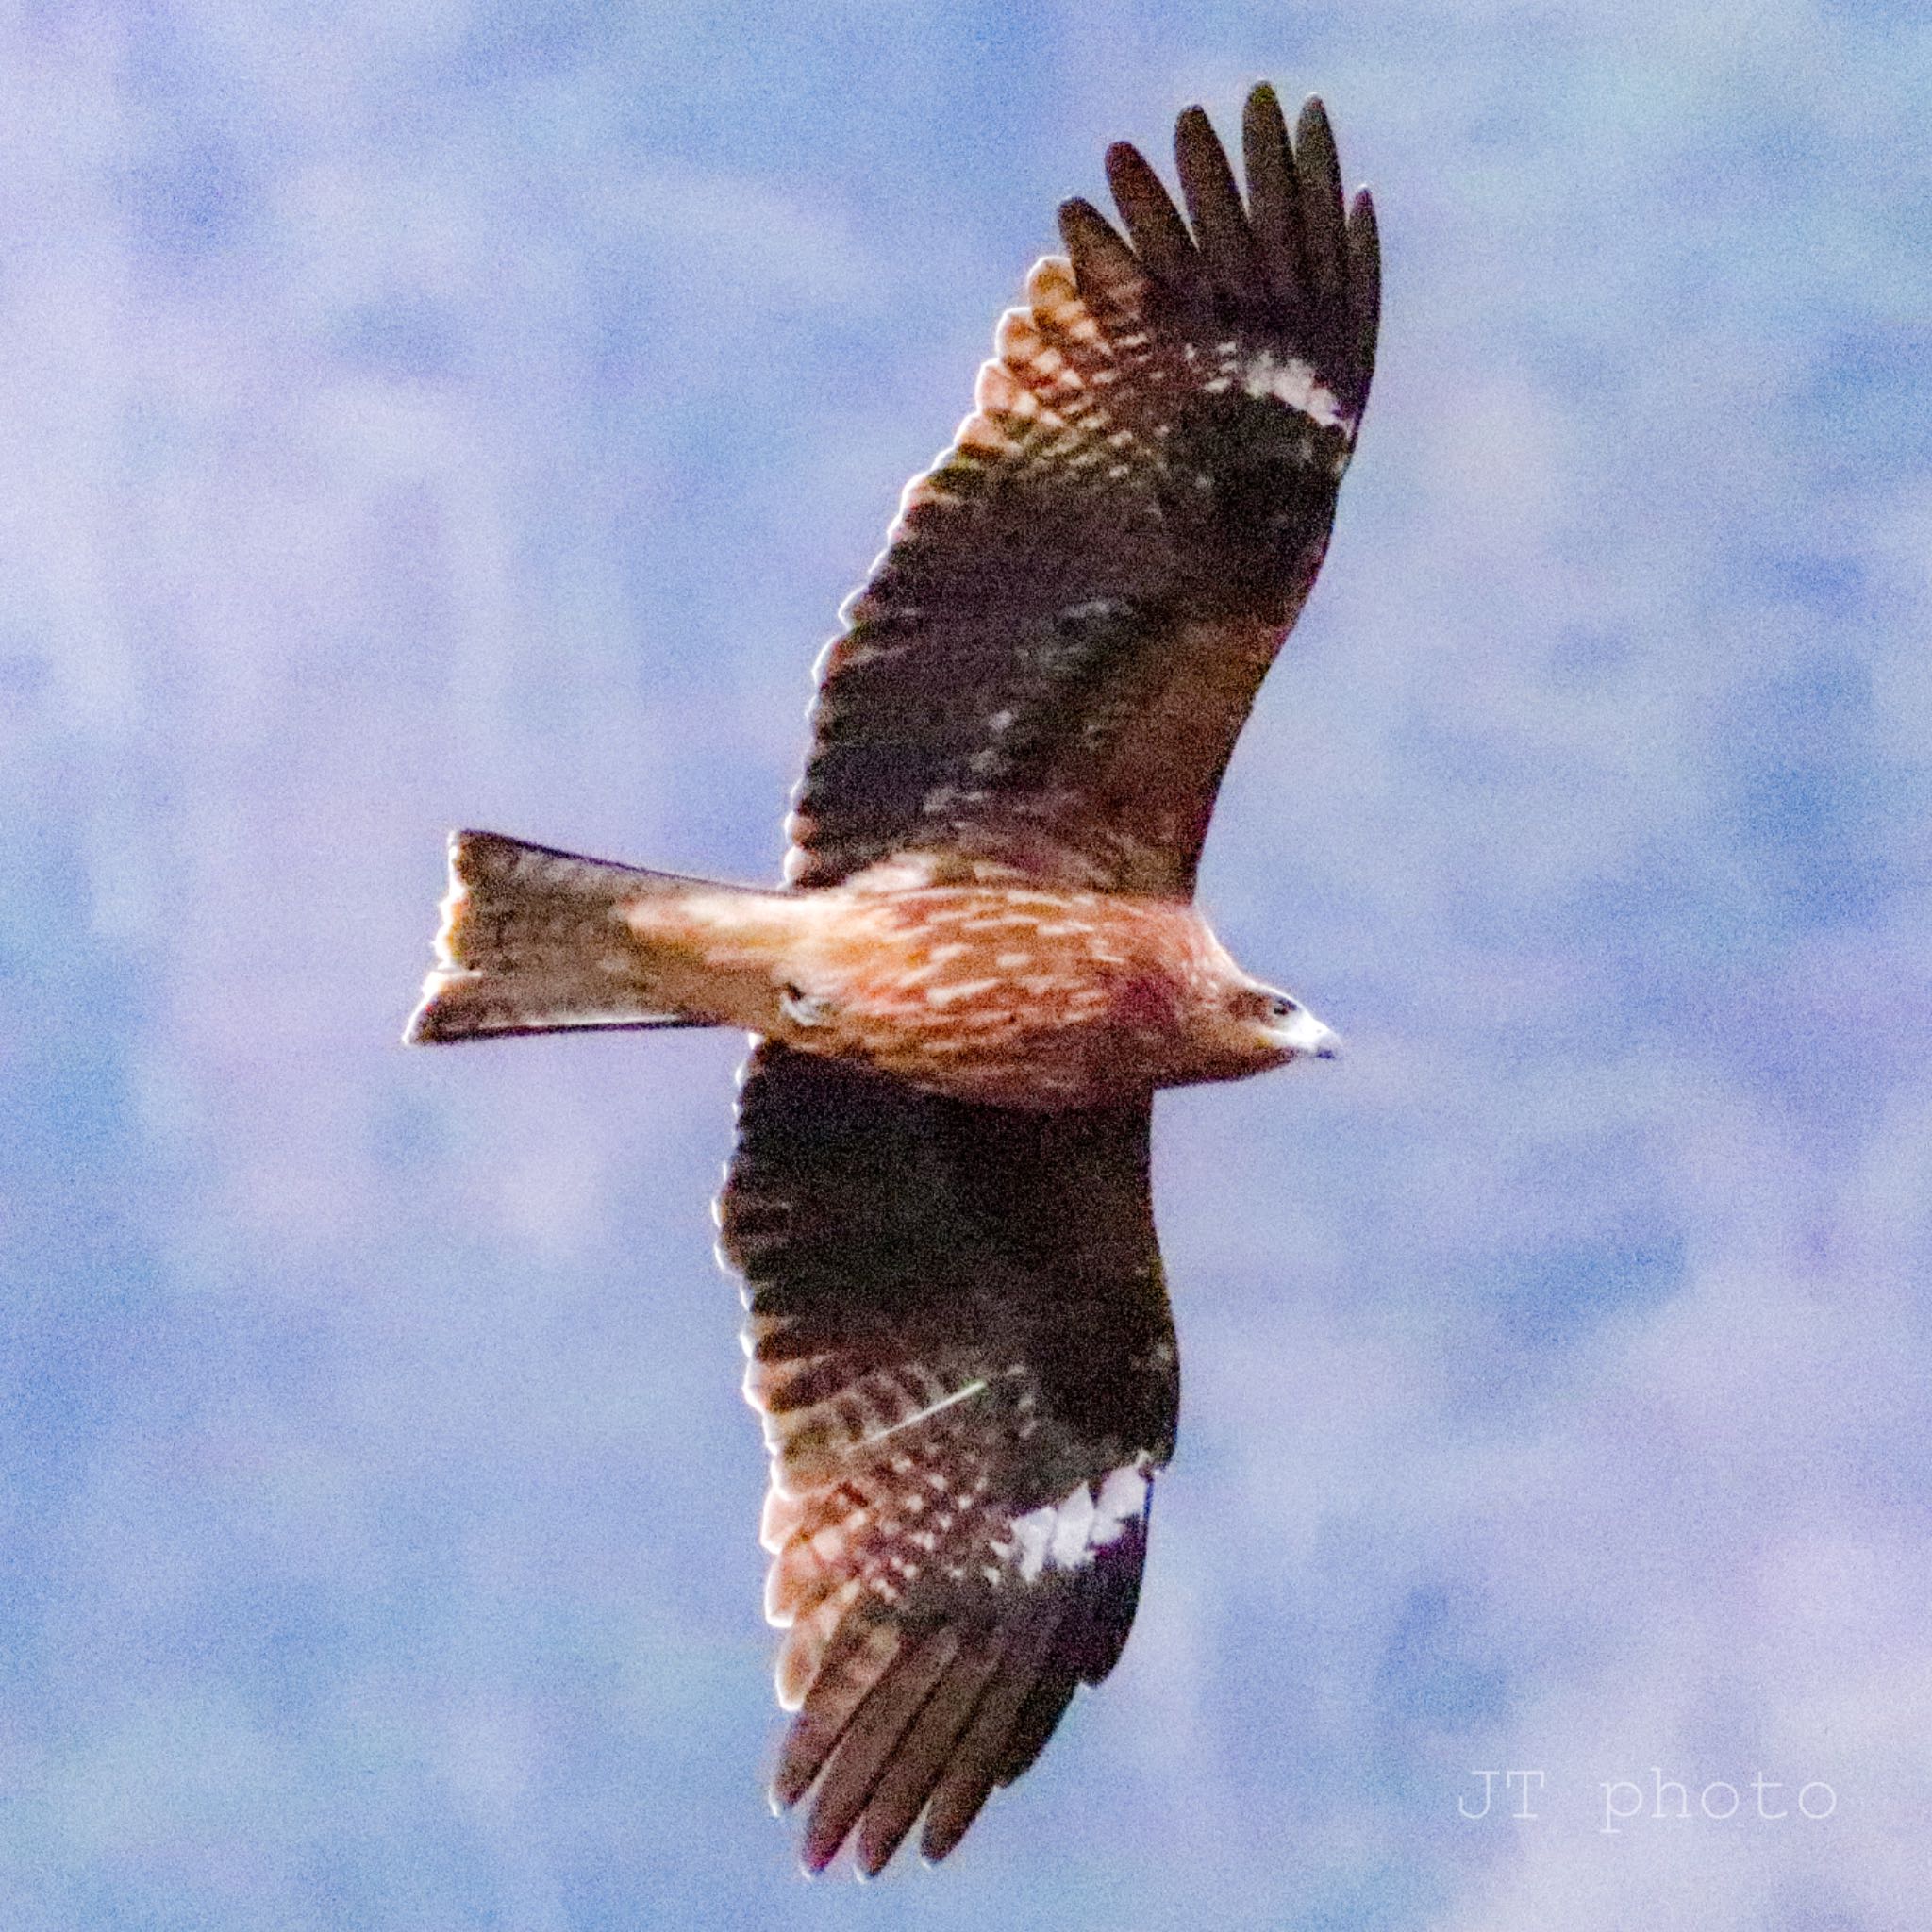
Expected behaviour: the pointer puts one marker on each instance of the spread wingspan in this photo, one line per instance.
(958, 1331)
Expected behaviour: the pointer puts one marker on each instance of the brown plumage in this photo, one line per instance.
(1007, 993)
(983, 962)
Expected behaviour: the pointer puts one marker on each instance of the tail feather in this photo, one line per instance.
(535, 940)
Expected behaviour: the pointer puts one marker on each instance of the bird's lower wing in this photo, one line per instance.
(961, 1347)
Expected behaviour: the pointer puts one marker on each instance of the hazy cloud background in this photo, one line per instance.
(437, 414)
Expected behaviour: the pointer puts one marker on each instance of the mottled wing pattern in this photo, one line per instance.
(960, 1343)
(1056, 652)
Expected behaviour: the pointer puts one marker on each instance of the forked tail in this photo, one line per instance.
(535, 940)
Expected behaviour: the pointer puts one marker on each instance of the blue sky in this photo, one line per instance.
(440, 413)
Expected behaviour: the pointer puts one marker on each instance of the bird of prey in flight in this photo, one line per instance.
(984, 958)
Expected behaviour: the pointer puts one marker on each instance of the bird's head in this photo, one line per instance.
(1278, 1028)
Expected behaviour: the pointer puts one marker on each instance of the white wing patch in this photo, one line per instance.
(1065, 1535)
(1286, 379)
(1291, 380)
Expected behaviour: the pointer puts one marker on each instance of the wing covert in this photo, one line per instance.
(1053, 658)
(961, 1347)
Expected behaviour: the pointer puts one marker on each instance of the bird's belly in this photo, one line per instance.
(1007, 997)
(1011, 1041)
(1067, 1067)
(1014, 1063)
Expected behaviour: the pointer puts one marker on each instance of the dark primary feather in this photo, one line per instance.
(1054, 655)
(1215, 211)
(956, 1322)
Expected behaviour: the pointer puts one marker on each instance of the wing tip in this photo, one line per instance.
(1285, 245)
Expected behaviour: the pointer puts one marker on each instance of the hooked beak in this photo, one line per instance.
(1308, 1037)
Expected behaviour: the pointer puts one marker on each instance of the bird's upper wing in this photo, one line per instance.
(960, 1343)
(1055, 654)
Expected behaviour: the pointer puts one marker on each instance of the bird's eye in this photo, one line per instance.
(1282, 1008)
